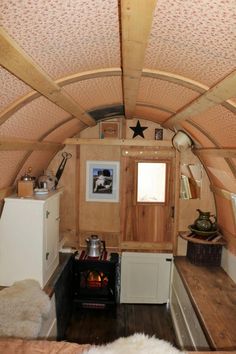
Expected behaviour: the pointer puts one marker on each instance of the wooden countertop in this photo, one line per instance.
(213, 296)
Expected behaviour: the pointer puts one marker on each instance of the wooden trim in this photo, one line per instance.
(221, 192)
(176, 202)
(222, 91)
(106, 72)
(118, 142)
(165, 153)
(5, 192)
(87, 75)
(15, 60)
(176, 79)
(152, 246)
(136, 22)
(160, 108)
(7, 144)
(217, 152)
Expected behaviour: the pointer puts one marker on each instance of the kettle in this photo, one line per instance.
(95, 246)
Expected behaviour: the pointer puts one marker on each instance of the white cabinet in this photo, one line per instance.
(29, 238)
(145, 277)
(187, 327)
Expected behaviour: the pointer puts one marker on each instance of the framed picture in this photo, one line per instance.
(109, 130)
(102, 181)
(158, 134)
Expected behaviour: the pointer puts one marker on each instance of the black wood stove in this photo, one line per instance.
(96, 280)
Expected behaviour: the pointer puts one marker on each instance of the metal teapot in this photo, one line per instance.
(204, 222)
(95, 246)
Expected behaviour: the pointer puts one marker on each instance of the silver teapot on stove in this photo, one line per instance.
(95, 246)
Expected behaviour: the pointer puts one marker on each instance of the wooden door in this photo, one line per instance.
(147, 225)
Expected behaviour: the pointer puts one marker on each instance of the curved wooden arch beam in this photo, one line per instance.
(85, 75)
(159, 108)
(107, 72)
(222, 91)
(136, 23)
(176, 79)
(217, 146)
(15, 60)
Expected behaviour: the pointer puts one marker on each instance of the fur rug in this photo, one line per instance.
(135, 344)
(22, 307)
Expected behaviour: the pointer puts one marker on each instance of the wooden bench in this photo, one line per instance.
(212, 294)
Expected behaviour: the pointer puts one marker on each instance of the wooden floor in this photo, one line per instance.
(104, 326)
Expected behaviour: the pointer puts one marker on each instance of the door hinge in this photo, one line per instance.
(172, 213)
(47, 214)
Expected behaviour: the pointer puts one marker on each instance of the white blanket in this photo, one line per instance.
(22, 308)
(135, 344)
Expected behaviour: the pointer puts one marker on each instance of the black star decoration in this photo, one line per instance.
(138, 130)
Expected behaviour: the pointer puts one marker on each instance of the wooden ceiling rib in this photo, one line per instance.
(136, 22)
(217, 152)
(26, 144)
(222, 91)
(15, 60)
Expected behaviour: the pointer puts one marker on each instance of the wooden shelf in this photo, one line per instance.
(217, 240)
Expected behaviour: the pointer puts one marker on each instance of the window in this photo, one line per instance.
(151, 182)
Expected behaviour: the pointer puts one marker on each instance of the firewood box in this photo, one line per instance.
(204, 252)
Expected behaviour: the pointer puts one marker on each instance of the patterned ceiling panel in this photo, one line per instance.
(9, 162)
(218, 123)
(38, 161)
(96, 92)
(65, 36)
(165, 94)
(67, 130)
(198, 136)
(195, 39)
(11, 88)
(34, 120)
(152, 114)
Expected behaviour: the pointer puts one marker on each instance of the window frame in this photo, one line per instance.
(167, 163)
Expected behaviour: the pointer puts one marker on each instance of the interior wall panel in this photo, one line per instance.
(38, 161)
(9, 163)
(193, 38)
(220, 174)
(225, 215)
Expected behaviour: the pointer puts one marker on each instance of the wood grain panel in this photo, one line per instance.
(97, 217)
(213, 295)
(143, 224)
(136, 22)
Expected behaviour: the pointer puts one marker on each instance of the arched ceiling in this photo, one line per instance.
(66, 63)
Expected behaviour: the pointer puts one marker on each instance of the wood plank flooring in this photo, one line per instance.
(96, 326)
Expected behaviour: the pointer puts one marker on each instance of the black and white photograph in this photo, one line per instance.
(102, 181)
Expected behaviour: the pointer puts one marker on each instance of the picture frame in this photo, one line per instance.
(109, 130)
(102, 181)
(158, 134)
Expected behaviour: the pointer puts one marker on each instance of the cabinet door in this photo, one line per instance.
(51, 230)
(145, 277)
